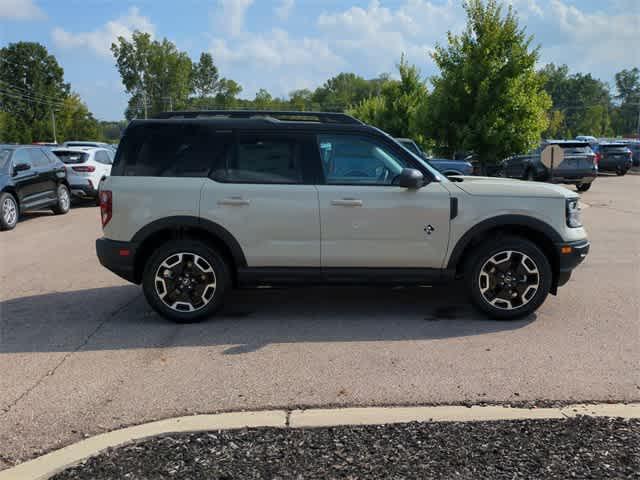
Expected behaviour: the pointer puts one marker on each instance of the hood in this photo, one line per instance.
(507, 187)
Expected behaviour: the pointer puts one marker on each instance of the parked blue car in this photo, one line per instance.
(444, 166)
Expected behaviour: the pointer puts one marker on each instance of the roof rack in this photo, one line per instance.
(292, 116)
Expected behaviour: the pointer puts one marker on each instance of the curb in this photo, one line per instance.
(47, 465)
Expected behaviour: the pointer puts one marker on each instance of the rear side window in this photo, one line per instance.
(182, 150)
(262, 159)
(102, 157)
(71, 158)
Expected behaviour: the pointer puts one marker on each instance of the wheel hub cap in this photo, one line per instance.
(9, 211)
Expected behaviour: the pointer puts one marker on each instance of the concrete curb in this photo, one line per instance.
(47, 465)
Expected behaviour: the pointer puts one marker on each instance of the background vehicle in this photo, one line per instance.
(613, 157)
(31, 178)
(199, 202)
(444, 166)
(579, 167)
(635, 152)
(86, 168)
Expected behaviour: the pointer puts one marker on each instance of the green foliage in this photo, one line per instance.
(155, 73)
(204, 77)
(400, 108)
(31, 86)
(584, 102)
(627, 118)
(75, 121)
(488, 97)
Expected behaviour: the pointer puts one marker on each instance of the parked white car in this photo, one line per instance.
(86, 168)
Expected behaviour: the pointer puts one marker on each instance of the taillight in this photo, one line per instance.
(87, 168)
(106, 206)
(597, 159)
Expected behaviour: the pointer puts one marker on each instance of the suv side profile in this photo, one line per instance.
(201, 202)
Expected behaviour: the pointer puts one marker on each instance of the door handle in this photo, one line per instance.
(347, 202)
(233, 201)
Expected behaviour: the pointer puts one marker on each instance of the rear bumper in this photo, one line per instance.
(575, 178)
(570, 255)
(84, 190)
(117, 257)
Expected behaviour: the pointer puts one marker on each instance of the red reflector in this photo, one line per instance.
(88, 168)
(124, 252)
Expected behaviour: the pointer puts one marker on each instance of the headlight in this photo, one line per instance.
(573, 213)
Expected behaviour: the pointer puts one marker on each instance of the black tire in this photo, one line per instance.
(63, 203)
(10, 215)
(530, 177)
(621, 171)
(583, 187)
(190, 249)
(486, 251)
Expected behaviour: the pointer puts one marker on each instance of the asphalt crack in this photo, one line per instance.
(109, 316)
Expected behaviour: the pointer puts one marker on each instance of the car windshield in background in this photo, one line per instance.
(574, 148)
(72, 157)
(5, 156)
(614, 148)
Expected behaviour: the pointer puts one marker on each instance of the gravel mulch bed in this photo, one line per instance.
(583, 447)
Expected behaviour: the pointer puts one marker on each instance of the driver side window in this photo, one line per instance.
(358, 160)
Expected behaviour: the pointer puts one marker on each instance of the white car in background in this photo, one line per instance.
(86, 168)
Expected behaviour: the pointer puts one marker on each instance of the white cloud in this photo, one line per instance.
(100, 40)
(230, 15)
(284, 9)
(20, 10)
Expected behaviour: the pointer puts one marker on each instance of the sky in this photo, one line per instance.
(283, 45)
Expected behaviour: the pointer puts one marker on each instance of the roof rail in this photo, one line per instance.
(322, 117)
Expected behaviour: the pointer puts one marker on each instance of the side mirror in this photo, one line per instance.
(21, 167)
(411, 178)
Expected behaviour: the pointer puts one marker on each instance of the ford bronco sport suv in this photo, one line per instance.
(200, 202)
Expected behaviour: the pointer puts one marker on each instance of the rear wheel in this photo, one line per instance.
(583, 187)
(63, 203)
(508, 278)
(621, 171)
(185, 281)
(9, 212)
(530, 176)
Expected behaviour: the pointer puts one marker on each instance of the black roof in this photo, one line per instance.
(272, 115)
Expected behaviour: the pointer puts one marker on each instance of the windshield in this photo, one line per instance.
(614, 148)
(70, 157)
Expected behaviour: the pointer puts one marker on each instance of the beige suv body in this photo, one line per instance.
(195, 206)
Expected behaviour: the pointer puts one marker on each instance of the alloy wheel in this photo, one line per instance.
(63, 198)
(509, 280)
(9, 211)
(185, 282)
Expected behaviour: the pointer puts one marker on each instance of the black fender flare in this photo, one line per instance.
(496, 222)
(186, 221)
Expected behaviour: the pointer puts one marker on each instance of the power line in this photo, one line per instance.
(32, 100)
(26, 92)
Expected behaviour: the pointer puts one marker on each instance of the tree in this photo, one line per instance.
(342, 91)
(400, 107)
(155, 73)
(75, 121)
(227, 93)
(204, 77)
(488, 97)
(31, 87)
(628, 94)
(583, 101)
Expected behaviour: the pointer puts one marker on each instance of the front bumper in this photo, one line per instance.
(570, 255)
(119, 257)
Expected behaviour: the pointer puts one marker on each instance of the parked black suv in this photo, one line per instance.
(31, 178)
(613, 157)
(578, 168)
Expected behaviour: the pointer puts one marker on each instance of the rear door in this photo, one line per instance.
(262, 192)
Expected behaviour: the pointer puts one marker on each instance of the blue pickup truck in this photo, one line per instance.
(444, 166)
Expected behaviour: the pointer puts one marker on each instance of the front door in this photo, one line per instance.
(261, 191)
(29, 186)
(366, 221)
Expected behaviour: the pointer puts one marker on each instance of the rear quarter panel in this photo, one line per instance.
(138, 201)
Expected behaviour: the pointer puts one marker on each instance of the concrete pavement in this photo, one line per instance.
(81, 352)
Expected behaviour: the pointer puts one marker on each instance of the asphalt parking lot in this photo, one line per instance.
(82, 353)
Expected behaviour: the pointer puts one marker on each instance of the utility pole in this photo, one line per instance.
(53, 122)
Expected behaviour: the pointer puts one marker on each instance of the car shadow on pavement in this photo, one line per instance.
(114, 318)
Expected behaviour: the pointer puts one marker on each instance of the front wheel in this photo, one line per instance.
(508, 278)
(9, 211)
(185, 281)
(583, 187)
(63, 202)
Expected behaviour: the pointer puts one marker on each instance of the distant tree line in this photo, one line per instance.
(487, 98)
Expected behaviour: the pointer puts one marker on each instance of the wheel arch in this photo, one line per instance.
(534, 230)
(161, 231)
(11, 189)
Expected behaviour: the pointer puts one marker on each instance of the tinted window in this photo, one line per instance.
(5, 157)
(614, 149)
(22, 156)
(262, 159)
(37, 158)
(102, 157)
(70, 157)
(169, 151)
(354, 160)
